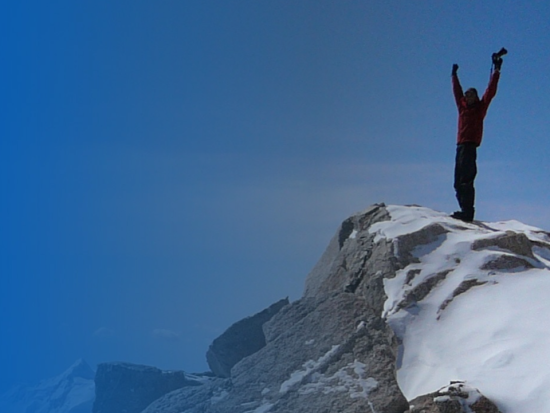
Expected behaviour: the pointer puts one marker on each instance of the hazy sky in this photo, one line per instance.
(170, 167)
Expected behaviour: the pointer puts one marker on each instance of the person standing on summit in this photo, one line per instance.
(471, 113)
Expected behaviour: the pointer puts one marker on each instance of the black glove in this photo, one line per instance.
(498, 63)
(455, 69)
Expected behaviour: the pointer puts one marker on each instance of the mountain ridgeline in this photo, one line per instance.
(377, 328)
(407, 310)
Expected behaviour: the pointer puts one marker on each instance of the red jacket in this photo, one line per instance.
(470, 118)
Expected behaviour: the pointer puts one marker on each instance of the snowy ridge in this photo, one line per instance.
(472, 305)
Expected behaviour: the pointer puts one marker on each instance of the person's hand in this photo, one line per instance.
(455, 69)
(497, 63)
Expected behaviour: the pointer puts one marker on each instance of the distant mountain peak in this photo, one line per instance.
(79, 369)
(72, 391)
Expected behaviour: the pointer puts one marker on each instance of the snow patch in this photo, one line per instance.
(308, 367)
(263, 408)
(351, 378)
(461, 388)
(218, 396)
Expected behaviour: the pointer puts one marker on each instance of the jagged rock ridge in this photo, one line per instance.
(392, 284)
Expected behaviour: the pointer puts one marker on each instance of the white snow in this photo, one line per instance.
(218, 396)
(263, 408)
(472, 394)
(496, 337)
(351, 378)
(308, 367)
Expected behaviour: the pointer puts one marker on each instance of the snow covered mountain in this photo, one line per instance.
(73, 391)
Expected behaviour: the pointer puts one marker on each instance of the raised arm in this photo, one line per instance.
(491, 88)
(457, 88)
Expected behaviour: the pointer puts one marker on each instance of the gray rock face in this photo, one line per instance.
(240, 340)
(328, 352)
(510, 241)
(351, 262)
(130, 388)
(332, 354)
(355, 261)
(196, 399)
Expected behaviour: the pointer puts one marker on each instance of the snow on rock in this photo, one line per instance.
(472, 306)
(466, 301)
(457, 397)
(328, 353)
(338, 368)
(265, 407)
(308, 367)
(351, 378)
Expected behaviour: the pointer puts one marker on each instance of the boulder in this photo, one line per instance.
(458, 397)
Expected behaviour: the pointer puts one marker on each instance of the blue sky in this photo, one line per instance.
(168, 168)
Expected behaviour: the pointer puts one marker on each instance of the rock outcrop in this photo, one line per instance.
(322, 355)
(241, 340)
(367, 333)
(457, 397)
(331, 354)
(329, 351)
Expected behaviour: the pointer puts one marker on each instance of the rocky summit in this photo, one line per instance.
(407, 310)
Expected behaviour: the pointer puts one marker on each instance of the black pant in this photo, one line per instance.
(465, 173)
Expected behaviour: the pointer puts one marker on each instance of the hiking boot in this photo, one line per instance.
(463, 216)
(457, 215)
